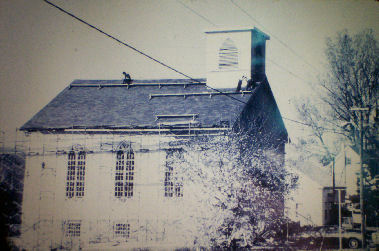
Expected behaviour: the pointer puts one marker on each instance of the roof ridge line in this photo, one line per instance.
(210, 94)
(158, 80)
(102, 85)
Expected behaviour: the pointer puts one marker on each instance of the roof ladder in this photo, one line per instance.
(193, 116)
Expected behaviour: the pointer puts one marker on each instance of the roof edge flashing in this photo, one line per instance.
(237, 29)
(230, 29)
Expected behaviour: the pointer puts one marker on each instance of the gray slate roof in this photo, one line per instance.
(116, 106)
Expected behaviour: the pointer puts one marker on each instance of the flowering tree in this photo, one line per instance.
(235, 191)
(351, 82)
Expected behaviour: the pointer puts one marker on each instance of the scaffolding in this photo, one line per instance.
(175, 127)
(210, 94)
(135, 84)
(171, 129)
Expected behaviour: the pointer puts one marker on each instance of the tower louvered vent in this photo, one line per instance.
(228, 56)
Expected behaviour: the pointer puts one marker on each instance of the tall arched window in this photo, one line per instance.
(70, 184)
(76, 165)
(228, 56)
(124, 177)
(173, 185)
(80, 174)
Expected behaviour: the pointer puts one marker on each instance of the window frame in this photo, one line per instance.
(72, 228)
(347, 161)
(173, 186)
(75, 175)
(124, 171)
(121, 230)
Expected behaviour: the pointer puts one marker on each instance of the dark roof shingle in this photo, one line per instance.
(133, 107)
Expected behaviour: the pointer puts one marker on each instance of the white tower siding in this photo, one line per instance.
(246, 58)
(228, 78)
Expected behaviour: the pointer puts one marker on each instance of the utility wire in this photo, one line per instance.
(210, 22)
(276, 37)
(281, 67)
(309, 125)
(116, 39)
(272, 61)
(163, 64)
(135, 49)
(196, 13)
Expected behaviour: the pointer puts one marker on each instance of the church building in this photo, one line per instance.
(95, 170)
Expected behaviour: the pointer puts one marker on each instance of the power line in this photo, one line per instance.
(135, 49)
(210, 22)
(246, 13)
(161, 63)
(196, 13)
(281, 67)
(276, 37)
(272, 61)
(309, 125)
(116, 39)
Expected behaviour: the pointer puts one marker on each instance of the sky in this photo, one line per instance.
(43, 50)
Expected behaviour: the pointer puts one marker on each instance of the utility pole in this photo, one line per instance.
(363, 230)
(339, 221)
(333, 173)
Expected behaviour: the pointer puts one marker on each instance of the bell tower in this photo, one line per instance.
(235, 53)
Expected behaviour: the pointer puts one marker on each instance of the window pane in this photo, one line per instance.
(72, 229)
(80, 174)
(122, 230)
(70, 184)
(124, 176)
(173, 186)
